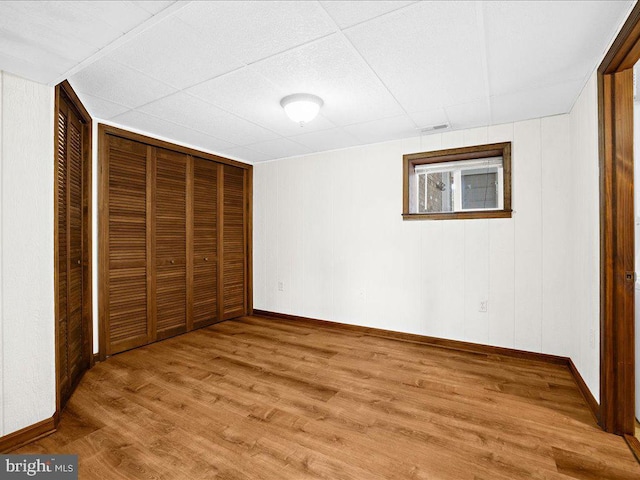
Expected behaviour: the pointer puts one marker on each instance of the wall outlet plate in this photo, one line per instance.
(484, 304)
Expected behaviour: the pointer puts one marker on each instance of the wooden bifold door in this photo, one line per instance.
(174, 240)
(72, 252)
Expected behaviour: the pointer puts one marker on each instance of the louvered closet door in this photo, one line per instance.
(126, 302)
(234, 253)
(205, 242)
(63, 251)
(170, 243)
(75, 333)
(71, 335)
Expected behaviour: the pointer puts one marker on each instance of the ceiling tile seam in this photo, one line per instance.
(164, 138)
(371, 69)
(342, 130)
(251, 121)
(394, 11)
(176, 90)
(196, 31)
(484, 55)
(122, 40)
(93, 14)
(28, 62)
(277, 87)
(231, 113)
(252, 146)
(183, 126)
(534, 88)
(299, 46)
(81, 94)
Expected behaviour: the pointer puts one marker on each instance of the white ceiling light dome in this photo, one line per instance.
(301, 107)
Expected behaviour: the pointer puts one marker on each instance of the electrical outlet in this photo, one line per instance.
(592, 338)
(281, 286)
(483, 306)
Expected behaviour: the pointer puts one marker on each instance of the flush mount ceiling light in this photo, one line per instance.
(301, 107)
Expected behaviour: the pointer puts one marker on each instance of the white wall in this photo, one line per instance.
(329, 227)
(27, 362)
(585, 240)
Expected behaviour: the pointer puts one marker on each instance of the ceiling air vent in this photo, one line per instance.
(431, 128)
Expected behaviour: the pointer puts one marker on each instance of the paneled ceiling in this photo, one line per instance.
(211, 74)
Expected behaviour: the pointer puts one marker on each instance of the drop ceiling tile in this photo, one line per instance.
(348, 13)
(119, 84)
(25, 49)
(383, 130)
(171, 131)
(123, 16)
(21, 67)
(430, 118)
(331, 69)
(27, 33)
(176, 54)
(204, 117)
(153, 7)
(529, 44)
(280, 148)
(245, 154)
(73, 21)
(251, 96)
(326, 139)
(254, 30)
(99, 108)
(468, 115)
(535, 103)
(428, 54)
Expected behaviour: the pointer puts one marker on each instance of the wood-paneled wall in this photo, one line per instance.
(175, 239)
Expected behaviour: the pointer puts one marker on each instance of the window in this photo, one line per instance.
(472, 182)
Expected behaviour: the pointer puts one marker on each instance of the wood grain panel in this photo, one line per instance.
(75, 328)
(234, 245)
(256, 398)
(205, 242)
(127, 245)
(62, 249)
(170, 242)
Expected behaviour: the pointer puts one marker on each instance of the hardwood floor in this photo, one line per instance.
(260, 398)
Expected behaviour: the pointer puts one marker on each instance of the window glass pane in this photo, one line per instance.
(479, 190)
(435, 192)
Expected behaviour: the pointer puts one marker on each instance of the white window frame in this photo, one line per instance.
(457, 167)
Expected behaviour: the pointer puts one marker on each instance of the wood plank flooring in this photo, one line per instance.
(260, 398)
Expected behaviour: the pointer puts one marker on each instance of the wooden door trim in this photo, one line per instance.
(248, 192)
(220, 242)
(189, 195)
(64, 90)
(615, 134)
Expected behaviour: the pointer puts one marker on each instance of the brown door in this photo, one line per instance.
(170, 243)
(205, 242)
(174, 232)
(73, 337)
(125, 252)
(234, 245)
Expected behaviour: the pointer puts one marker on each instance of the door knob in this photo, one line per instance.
(172, 262)
(79, 262)
(206, 259)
